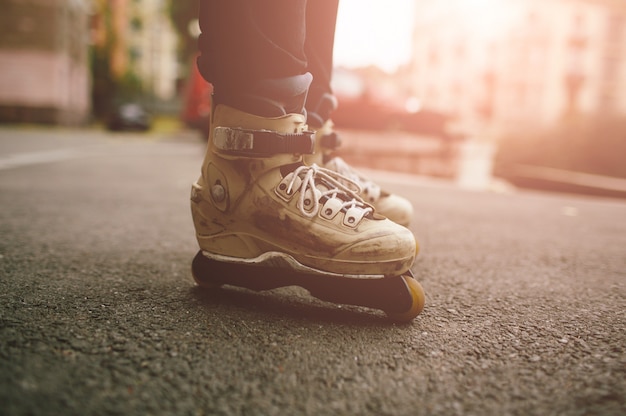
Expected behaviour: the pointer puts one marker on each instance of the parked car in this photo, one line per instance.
(129, 116)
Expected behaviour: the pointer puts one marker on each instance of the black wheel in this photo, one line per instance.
(201, 272)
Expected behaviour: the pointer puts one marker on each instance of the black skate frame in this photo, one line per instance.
(389, 294)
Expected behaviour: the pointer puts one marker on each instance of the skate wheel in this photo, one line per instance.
(417, 304)
(205, 283)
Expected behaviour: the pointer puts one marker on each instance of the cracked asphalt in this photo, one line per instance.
(99, 315)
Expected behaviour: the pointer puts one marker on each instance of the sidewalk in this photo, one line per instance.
(540, 177)
(399, 152)
(466, 165)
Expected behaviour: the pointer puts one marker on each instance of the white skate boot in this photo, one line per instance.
(263, 219)
(392, 206)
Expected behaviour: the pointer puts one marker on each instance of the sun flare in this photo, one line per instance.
(372, 32)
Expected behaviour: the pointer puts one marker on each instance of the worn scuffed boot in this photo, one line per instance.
(264, 219)
(392, 206)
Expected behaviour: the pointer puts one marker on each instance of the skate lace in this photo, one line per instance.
(368, 188)
(326, 184)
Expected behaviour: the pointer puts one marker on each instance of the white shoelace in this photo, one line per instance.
(337, 185)
(368, 187)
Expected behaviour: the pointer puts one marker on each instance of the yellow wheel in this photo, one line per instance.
(417, 301)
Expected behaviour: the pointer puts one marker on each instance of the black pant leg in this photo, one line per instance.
(321, 18)
(245, 41)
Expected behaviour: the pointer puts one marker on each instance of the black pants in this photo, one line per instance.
(246, 41)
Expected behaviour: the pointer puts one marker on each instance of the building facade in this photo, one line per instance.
(501, 65)
(44, 70)
(152, 45)
(141, 41)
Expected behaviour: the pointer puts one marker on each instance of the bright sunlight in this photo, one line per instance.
(374, 32)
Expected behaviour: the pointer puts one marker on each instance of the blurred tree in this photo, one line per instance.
(183, 15)
(113, 81)
(103, 80)
(103, 84)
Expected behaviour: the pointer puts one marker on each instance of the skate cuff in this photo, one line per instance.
(262, 142)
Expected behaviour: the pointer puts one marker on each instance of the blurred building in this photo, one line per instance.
(44, 71)
(141, 41)
(510, 64)
(152, 45)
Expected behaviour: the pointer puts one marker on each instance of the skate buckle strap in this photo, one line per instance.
(262, 142)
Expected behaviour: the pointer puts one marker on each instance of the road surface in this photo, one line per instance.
(525, 310)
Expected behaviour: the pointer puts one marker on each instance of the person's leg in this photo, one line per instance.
(255, 199)
(253, 53)
(321, 17)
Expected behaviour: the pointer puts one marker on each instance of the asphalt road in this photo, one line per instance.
(525, 310)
